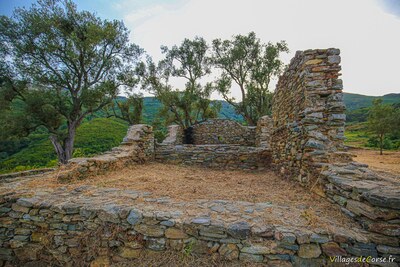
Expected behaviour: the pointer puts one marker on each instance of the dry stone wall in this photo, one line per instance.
(308, 114)
(223, 131)
(137, 147)
(307, 144)
(91, 226)
(215, 156)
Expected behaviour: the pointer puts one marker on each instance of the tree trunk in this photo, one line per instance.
(381, 143)
(65, 149)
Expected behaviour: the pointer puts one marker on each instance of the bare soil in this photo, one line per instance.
(387, 164)
(291, 201)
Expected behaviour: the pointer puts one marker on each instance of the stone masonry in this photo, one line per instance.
(303, 141)
(308, 114)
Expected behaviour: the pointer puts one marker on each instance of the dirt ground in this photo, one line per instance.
(389, 162)
(188, 182)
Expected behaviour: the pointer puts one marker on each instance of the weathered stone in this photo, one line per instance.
(174, 233)
(150, 230)
(385, 228)
(201, 220)
(388, 250)
(309, 251)
(134, 217)
(333, 249)
(19, 208)
(298, 261)
(129, 253)
(360, 249)
(316, 238)
(239, 230)
(156, 243)
(285, 237)
(250, 257)
(255, 249)
(229, 252)
(27, 253)
(384, 197)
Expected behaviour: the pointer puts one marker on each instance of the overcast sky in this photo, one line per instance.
(366, 31)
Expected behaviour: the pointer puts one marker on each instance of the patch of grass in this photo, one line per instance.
(356, 135)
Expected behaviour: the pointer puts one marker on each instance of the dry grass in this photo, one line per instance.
(188, 183)
(172, 259)
(389, 162)
(183, 183)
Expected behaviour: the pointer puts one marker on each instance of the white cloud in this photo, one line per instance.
(368, 37)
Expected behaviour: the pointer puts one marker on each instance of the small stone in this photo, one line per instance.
(316, 238)
(335, 59)
(134, 217)
(309, 251)
(156, 243)
(250, 257)
(388, 249)
(229, 251)
(333, 249)
(313, 61)
(129, 253)
(167, 223)
(201, 220)
(239, 230)
(173, 233)
(150, 230)
(19, 208)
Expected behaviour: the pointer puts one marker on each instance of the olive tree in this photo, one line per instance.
(62, 65)
(250, 64)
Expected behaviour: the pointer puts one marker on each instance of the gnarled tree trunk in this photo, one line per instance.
(65, 148)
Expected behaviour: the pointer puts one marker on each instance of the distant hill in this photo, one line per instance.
(356, 101)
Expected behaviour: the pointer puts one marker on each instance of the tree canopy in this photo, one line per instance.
(61, 65)
(250, 64)
(190, 62)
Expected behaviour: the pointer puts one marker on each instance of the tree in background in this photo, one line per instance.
(190, 62)
(129, 110)
(251, 65)
(383, 120)
(60, 65)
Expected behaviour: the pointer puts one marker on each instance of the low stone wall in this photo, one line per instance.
(215, 156)
(137, 147)
(92, 229)
(367, 198)
(223, 131)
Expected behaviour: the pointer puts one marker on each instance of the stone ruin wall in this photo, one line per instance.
(308, 114)
(223, 131)
(305, 139)
(97, 229)
(137, 147)
(307, 145)
(218, 143)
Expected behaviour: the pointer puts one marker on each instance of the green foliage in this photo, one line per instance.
(383, 120)
(62, 65)
(93, 137)
(251, 65)
(129, 109)
(189, 62)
